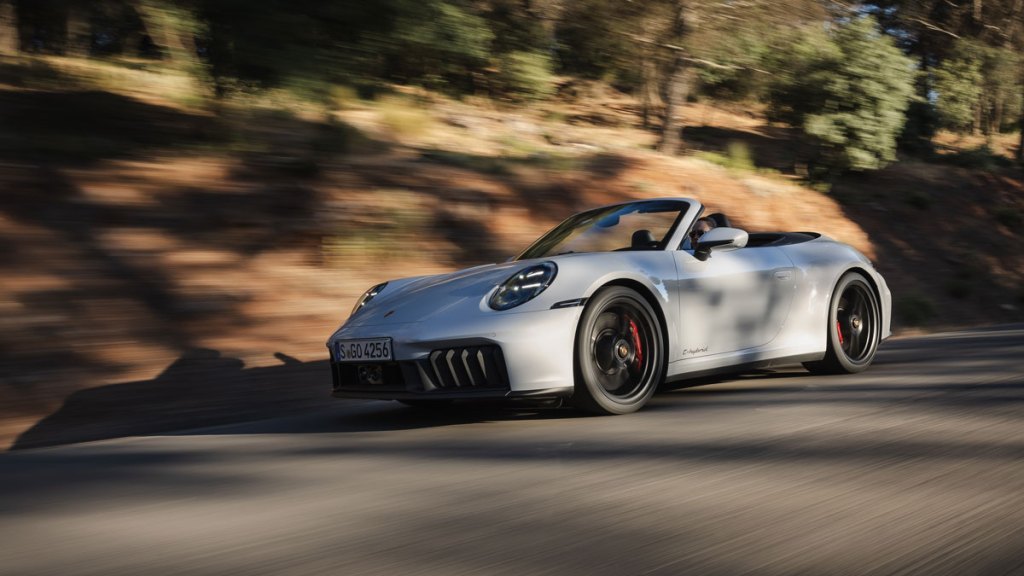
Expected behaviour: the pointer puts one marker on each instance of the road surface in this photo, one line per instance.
(914, 467)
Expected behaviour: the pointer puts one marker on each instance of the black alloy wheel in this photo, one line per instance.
(620, 357)
(854, 328)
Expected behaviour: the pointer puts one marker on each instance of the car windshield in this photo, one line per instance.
(635, 226)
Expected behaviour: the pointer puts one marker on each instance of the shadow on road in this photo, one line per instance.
(203, 390)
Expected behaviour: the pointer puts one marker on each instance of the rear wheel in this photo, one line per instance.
(620, 354)
(854, 328)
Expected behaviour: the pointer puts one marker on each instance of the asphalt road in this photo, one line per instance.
(915, 467)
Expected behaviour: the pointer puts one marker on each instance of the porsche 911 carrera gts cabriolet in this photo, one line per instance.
(610, 304)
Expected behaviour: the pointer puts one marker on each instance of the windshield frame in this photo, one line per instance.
(684, 206)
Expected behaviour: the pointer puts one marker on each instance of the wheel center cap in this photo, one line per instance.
(855, 322)
(622, 349)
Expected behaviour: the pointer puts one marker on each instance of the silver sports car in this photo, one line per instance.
(608, 305)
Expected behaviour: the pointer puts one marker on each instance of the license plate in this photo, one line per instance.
(371, 350)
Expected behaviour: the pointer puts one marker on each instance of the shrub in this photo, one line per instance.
(525, 75)
(736, 157)
(848, 91)
(958, 85)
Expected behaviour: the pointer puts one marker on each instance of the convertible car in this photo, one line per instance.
(610, 304)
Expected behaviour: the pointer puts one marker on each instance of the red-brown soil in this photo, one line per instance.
(144, 287)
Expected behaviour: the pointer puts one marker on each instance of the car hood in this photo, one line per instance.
(421, 299)
(463, 293)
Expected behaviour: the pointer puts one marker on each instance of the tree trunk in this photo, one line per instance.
(78, 31)
(997, 116)
(649, 86)
(8, 28)
(1020, 124)
(678, 90)
(172, 29)
(678, 86)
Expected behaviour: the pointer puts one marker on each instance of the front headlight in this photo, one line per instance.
(367, 296)
(523, 286)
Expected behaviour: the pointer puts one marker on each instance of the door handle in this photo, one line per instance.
(783, 274)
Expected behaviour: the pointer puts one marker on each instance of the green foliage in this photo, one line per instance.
(978, 86)
(308, 45)
(1001, 101)
(804, 62)
(438, 39)
(737, 157)
(589, 43)
(919, 129)
(515, 27)
(850, 94)
(958, 84)
(739, 52)
(524, 75)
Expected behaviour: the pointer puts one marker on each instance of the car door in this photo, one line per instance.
(733, 301)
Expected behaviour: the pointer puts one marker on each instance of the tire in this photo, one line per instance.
(853, 330)
(620, 353)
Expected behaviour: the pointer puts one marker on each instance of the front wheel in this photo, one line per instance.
(620, 353)
(854, 328)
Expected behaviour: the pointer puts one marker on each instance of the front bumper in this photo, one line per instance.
(477, 370)
(490, 355)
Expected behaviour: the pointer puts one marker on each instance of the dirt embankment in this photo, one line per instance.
(144, 287)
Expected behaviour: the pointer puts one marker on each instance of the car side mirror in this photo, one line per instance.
(719, 240)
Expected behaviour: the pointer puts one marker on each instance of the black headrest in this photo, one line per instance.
(643, 239)
(721, 220)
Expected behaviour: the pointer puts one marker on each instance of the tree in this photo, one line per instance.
(958, 85)
(520, 59)
(850, 95)
(678, 79)
(8, 28)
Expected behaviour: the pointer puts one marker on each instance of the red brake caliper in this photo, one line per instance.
(840, 332)
(636, 342)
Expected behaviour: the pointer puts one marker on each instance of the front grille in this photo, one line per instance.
(449, 369)
(459, 368)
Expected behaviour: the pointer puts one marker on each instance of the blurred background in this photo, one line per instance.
(194, 192)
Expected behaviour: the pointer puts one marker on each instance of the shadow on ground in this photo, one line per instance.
(203, 389)
(775, 147)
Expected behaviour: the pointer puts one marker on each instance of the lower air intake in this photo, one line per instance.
(460, 368)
